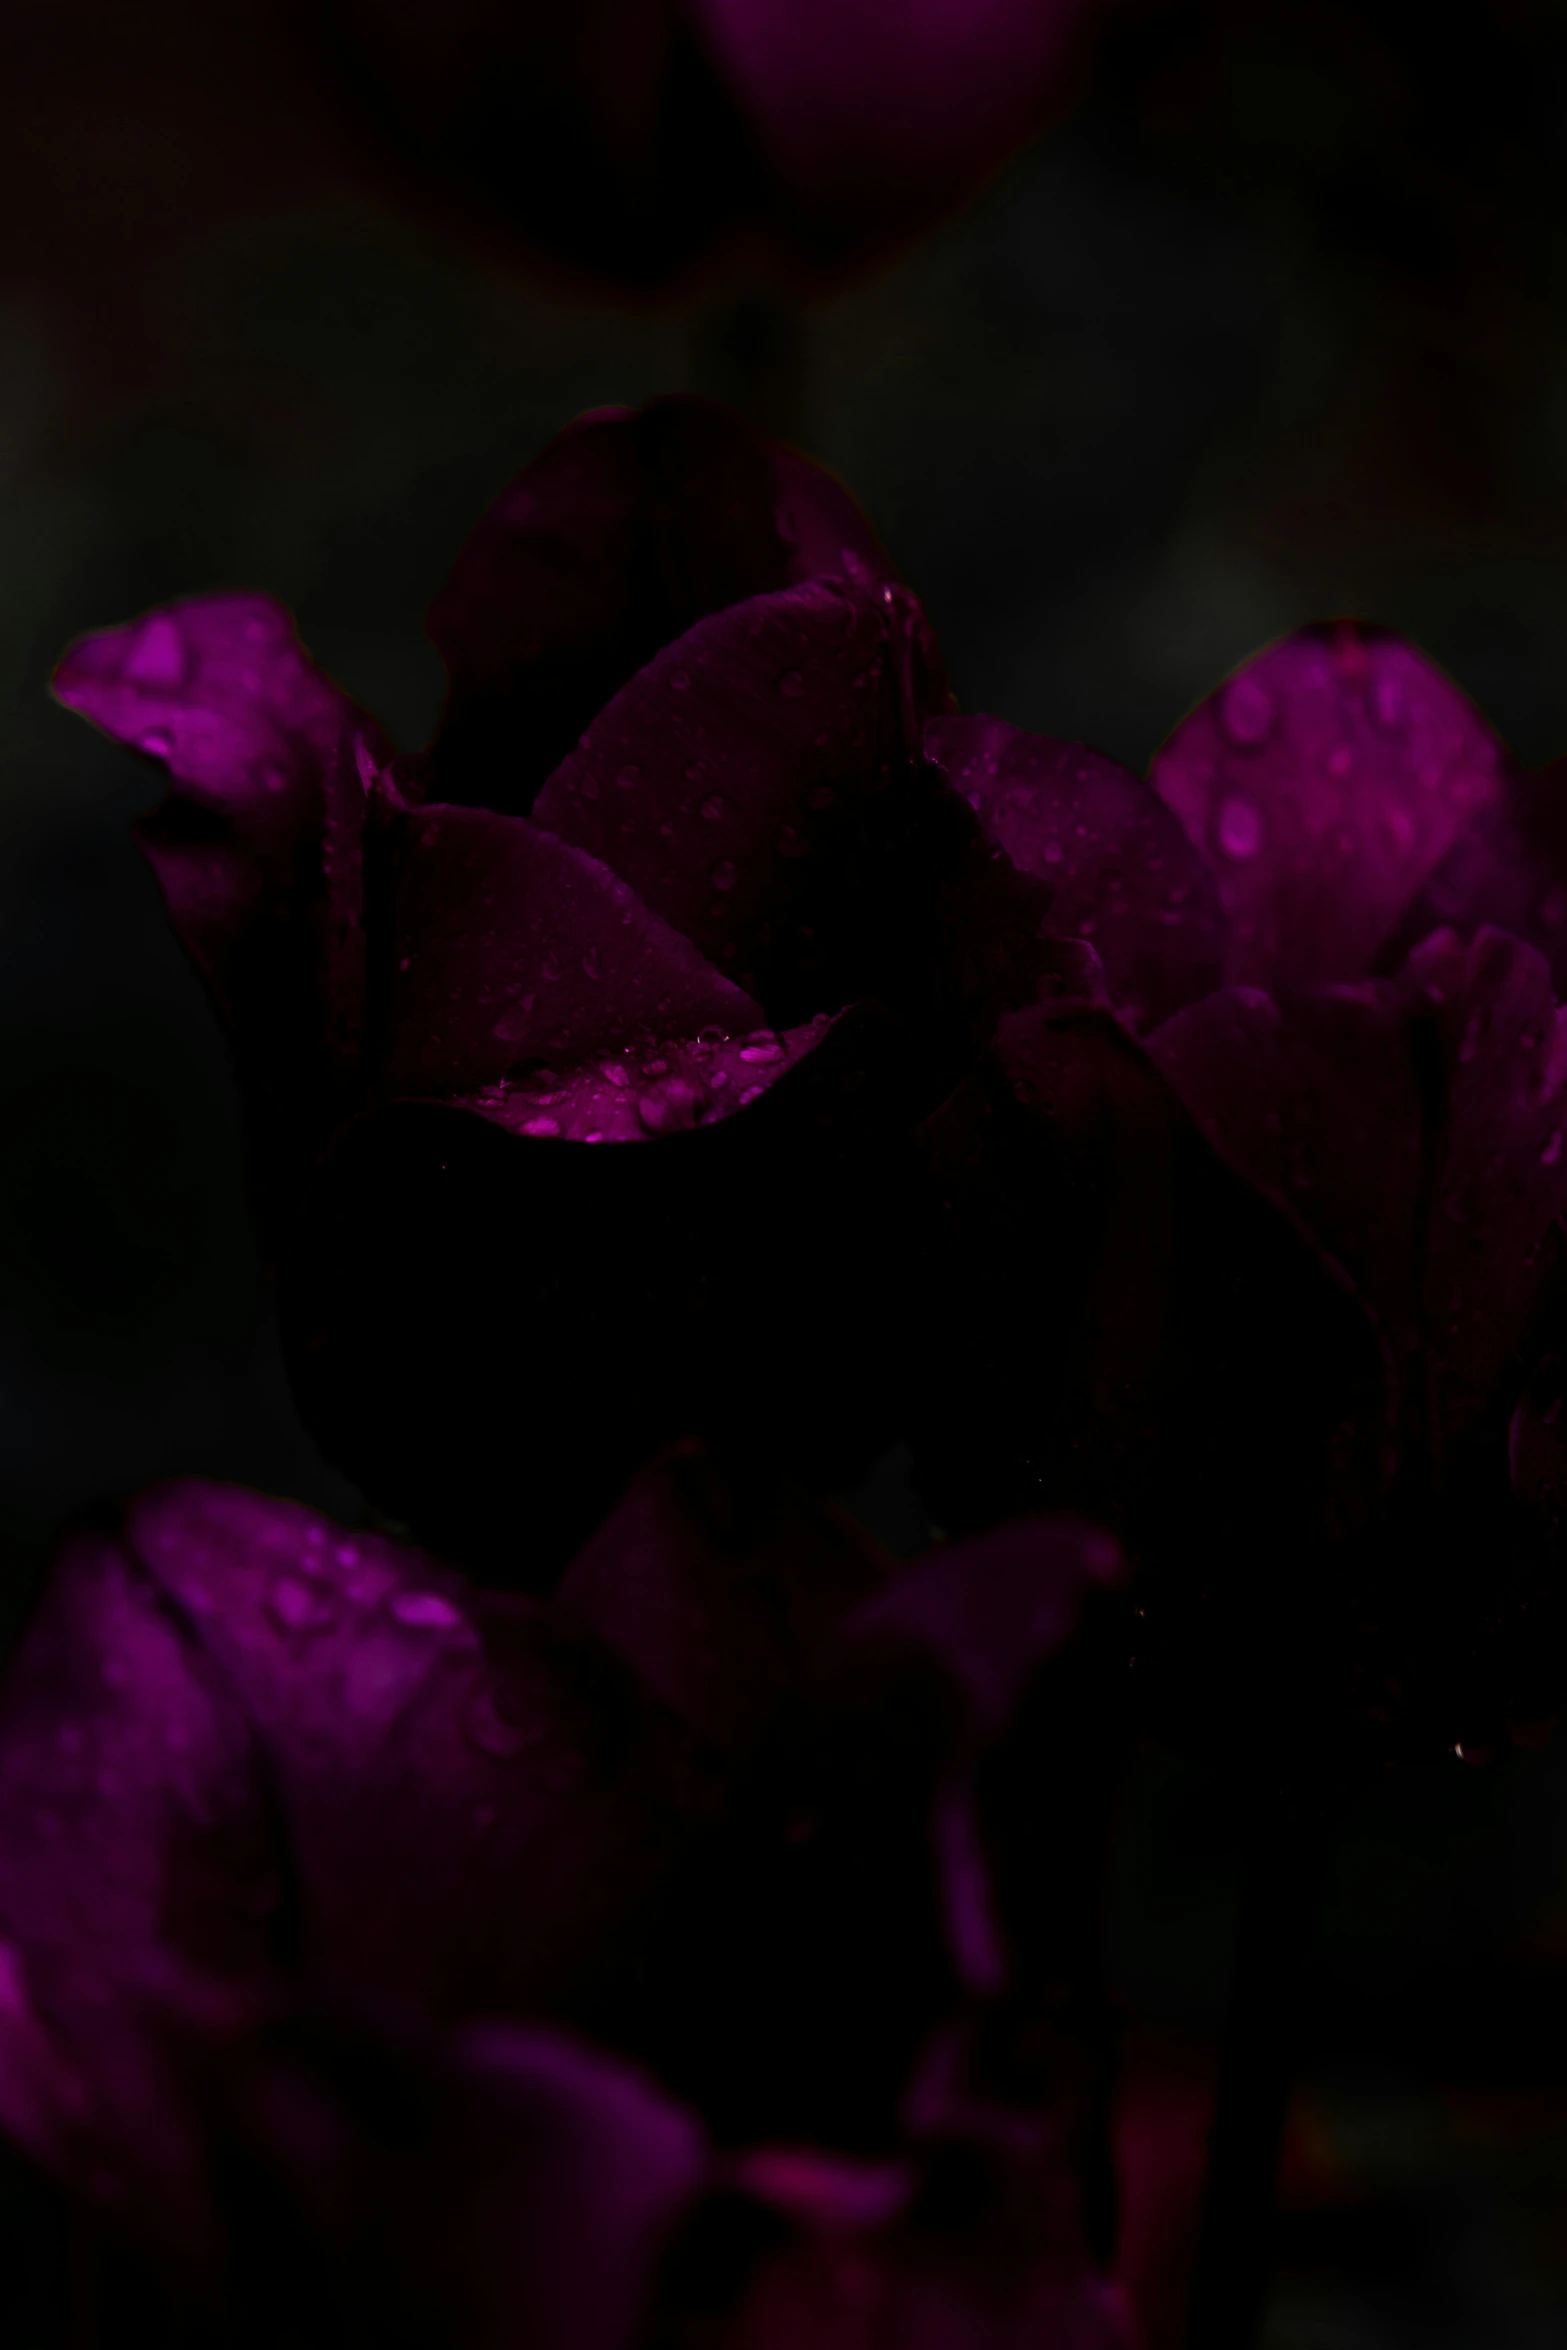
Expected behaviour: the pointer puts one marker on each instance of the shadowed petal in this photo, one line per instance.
(753, 785)
(1506, 869)
(629, 528)
(509, 946)
(1323, 782)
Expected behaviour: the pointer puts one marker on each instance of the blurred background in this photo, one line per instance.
(1271, 325)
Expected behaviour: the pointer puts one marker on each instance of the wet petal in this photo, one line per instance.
(258, 848)
(509, 946)
(469, 1789)
(559, 1309)
(753, 785)
(1324, 782)
(628, 529)
(1110, 862)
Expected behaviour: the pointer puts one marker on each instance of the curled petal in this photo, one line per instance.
(629, 528)
(1324, 782)
(259, 847)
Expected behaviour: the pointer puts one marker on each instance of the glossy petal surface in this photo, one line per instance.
(1323, 782)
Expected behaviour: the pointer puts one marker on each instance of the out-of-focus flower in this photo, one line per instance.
(303, 1830)
(673, 875)
(1294, 1256)
(631, 136)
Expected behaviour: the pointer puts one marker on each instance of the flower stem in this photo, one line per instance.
(1280, 1901)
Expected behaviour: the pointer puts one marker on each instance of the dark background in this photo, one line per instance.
(1274, 326)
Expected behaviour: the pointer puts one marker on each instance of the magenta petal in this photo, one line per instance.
(469, 1788)
(476, 1313)
(660, 1088)
(1110, 862)
(628, 528)
(752, 784)
(510, 946)
(258, 847)
(1323, 782)
(873, 119)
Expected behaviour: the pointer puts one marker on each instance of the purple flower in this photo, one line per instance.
(307, 1837)
(630, 137)
(673, 875)
(1294, 1257)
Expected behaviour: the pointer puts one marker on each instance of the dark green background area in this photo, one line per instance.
(1274, 327)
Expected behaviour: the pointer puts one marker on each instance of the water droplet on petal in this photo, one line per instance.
(678, 681)
(493, 1731)
(589, 787)
(546, 1129)
(590, 964)
(1240, 829)
(157, 742)
(628, 777)
(711, 808)
(763, 1046)
(1052, 852)
(724, 875)
(1553, 1149)
(791, 685)
(296, 1606)
(1246, 710)
(159, 653)
(425, 1611)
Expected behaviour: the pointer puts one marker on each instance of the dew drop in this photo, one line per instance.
(711, 808)
(546, 1129)
(157, 742)
(1240, 829)
(628, 777)
(300, 1607)
(494, 1732)
(591, 968)
(1553, 1149)
(424, 1611)
(1246, 710)
(589, 787)
(763, 1046)
(679, 681)
(1052, 852)
(724, 875)
(791, 685)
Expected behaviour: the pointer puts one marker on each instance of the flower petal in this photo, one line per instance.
(476, 1314)
(753, 785)
(1323, 782)
(718, 1617)
(509, 946)
(1507, 869)
(1111, 862)
(258, 848)
(629, 528)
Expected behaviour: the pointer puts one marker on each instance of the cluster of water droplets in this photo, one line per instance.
(643, 1092)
